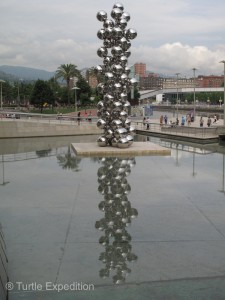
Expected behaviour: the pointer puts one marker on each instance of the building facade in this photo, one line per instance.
(209, 81)
(150, 82)
(171, 83)
(140, 69)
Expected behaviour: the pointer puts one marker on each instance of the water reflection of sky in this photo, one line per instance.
(49, 217)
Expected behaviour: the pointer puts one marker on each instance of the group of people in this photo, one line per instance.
(209, 121)
(201, 121)
(184, 120)
(88, 117)
(163, 118)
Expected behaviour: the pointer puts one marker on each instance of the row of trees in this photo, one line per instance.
(213, 98)
(51, 92)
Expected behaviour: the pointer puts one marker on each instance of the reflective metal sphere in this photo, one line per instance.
(123, 143)
(117, 106)
(102, 52)
(116, 13)
(131, 130)
(102, 141)
(108, 23)
(131, 33)
(117, 51)
(101, 15)
(126, 16)
(116, 124)
(101, 34)
(118, 5)
(101, 123)
(130, 139)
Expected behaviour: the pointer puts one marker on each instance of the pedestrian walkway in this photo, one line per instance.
(192, 132)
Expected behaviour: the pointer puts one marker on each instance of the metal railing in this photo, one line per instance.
(47, 118)
(189, 131)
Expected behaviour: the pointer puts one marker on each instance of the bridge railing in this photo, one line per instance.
(47, 118)
(190, 131)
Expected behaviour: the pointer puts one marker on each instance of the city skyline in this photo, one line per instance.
(172, 36)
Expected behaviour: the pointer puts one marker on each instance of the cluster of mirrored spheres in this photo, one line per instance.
(115, 82)
(118, 212)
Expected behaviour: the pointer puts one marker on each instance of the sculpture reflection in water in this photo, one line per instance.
(114, 187)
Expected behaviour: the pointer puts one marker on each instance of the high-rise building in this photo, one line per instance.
(140, 69)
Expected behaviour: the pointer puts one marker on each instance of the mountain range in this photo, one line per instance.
(16, 73)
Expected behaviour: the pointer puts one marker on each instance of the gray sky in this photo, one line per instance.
(173, 36)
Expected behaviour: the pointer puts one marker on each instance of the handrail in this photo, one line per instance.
(50, 118)
(178, 130)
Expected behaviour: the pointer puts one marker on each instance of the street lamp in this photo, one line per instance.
(223, 61)
(75, 88)
(194, 69)
(177, 92)
(1, 82)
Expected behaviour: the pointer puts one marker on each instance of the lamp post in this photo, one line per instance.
(1, 82)
(177, 92)
(194, 69)
(75, 88)
(223, 61)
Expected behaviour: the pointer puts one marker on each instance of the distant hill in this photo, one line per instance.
(25, 73)
(7, 77)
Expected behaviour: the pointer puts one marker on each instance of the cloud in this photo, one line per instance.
(173, 36)
(176, 57)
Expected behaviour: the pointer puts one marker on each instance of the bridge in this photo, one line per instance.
(147, 94)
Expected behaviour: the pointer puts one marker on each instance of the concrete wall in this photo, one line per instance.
(21, 128)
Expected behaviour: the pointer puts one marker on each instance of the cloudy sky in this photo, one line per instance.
(173, 36)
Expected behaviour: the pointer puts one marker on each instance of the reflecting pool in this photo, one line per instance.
(149, 227)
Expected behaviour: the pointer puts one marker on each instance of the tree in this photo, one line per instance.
(66, 72)
(84, 92)
(7, 92)
(136, 97)
(42, 93)
(57, 91)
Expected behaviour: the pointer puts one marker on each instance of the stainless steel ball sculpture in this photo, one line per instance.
(116, 84)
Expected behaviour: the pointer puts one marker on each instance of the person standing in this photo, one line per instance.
(90, 117)
(183, 121)
(143, 122)
(147, 124)
(161, 120)
(209, 121)
(165, 119)
(78, 118)
(201, 122)
(189, 120)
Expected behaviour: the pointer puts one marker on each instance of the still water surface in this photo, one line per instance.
(153, 224)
